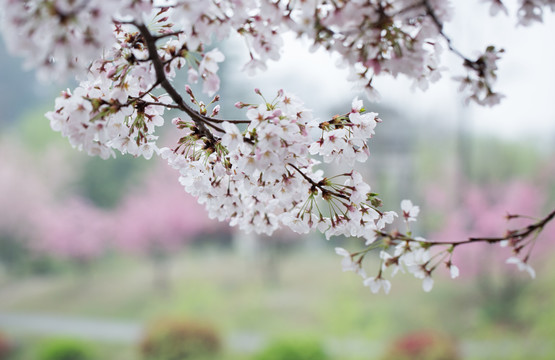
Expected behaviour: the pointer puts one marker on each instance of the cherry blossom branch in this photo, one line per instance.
(431, 13)
(149, 90)
(150, 42)
(473, 64)
(519, 234)
(201, 120)
(249, 176)
(215, 127)
(399, 251)
(515, 235)
(484, 65)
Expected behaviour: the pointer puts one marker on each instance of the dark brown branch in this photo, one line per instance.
(215, 127)
(149, 90)
(519, 235)
(198, 119)
(476, 65)
(430, 12)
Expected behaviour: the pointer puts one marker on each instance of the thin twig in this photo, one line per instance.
(439, 25)
(319, 186)
(519, 234)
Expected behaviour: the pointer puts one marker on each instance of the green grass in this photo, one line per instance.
(309, 295)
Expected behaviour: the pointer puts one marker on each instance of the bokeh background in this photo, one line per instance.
(112, 260)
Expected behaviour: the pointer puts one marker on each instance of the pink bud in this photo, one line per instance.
(112, 72)
(216, 110)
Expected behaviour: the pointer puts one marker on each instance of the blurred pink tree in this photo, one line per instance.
(26, 185)
(158, 215)
(154, 218)
(157, 218)
(479, 214)
(30, 203)
(73, 229)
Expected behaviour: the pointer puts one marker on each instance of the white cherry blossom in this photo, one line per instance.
(410, 211)
(377, 283)
(522, 266)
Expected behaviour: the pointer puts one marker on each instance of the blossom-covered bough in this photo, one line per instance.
(261, 172)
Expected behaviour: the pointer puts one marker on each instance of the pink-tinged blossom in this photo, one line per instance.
(192, 76)
(360, 187)
(482, 74)
(344, 139)
(210, 61)
(211, 84)
(410, 211)
(530, 11)
(73, 33)
(254, 66)
(386, 218)
(403, 38)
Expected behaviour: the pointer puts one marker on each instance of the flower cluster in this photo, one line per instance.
(258, 173)
(372, 38)
(413, 254)
(398, 252)
(262, 178)
(344, 137)
(60, 35)
(249, 176)
(400, 37)
(481, 75)
(114, 108)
